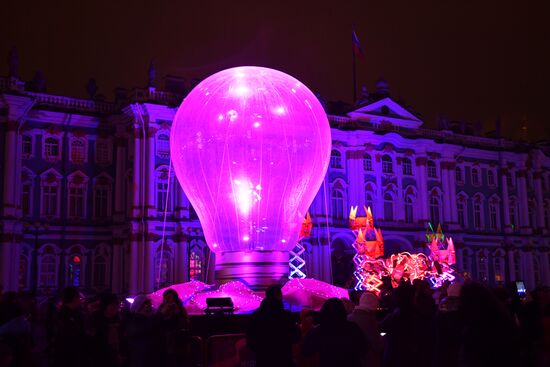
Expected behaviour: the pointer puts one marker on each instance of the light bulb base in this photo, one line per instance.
(257, 269)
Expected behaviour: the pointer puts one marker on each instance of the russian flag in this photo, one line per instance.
(357, 50)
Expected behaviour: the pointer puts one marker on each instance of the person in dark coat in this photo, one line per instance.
(69, 340)
(104, 333)
(273, 332)
(337, 341)
(174, 331)
(142, 334)
(364, 315)
(490, 337)
(448, 327)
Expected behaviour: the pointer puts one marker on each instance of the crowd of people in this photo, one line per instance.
(460, 325)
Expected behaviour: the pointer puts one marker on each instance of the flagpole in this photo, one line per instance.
(353, 67)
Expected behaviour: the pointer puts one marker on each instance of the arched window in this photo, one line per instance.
(26, 146)
(435, 210)
(100, 271)
(103, 151)
(165, 195)
(163, 268)
(409, 218)
(77, 196)
(388, 207)
(387, 164)
(369, 200)
(367, 162)
(482, 266)
(467, 262)
(195, 266)
(47, 267)
(101, 268)
(163, 145)
(491, 178)
(462, 210)
(432, 169)
(498, 265)
(78, 151)
(475, 177)
(51, 149)
(335, 159)
(337, 200)
(75, 271)
(102, 196)
(459, 177)
(407, 167)
(478, 212)
(50, 183)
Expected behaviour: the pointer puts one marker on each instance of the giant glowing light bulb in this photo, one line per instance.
(251, 147)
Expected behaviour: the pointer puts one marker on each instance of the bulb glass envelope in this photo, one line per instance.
(250, 147)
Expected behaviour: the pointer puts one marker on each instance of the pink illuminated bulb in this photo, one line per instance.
(250, 147)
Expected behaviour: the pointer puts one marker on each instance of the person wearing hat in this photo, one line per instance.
(364, 315)
(142, 333)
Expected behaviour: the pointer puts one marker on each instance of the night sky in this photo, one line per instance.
(467, 60)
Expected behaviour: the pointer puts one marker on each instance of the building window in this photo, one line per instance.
(498, 264)
(103, 151)
(432, 169)
(461, 207)
(388, 207)
(369, 201)
(50, 196)
(76, 201)
(51, 148)
(475, 177)
(467, 262)
(367, 162)
(78, 151)
(75, 271)
(459, 177)
(48, 272)
(409, 209)
(477, 214)
(337, 200)
(165, 194)
(101, 202)
(335, 159)
(26, 146)
(491, 178)
(387, 164)
(195, 266)
(482, 267)
(163, 268)
(407, 167)
(100, 272)
(434, 210)
(163, 145)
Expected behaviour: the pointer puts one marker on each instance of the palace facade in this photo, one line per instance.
(85, 184)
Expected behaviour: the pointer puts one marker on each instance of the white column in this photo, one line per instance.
(446, 193)
(537, 177)
(503, 172)
(116, 270)
(451, 178)
(150, 173)
(136, 202)
(378, 213)
(523, 204)
(399, 204)
(133, 280)
(422, 187)
(10, 178)
(120, 176)
(149, 275)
